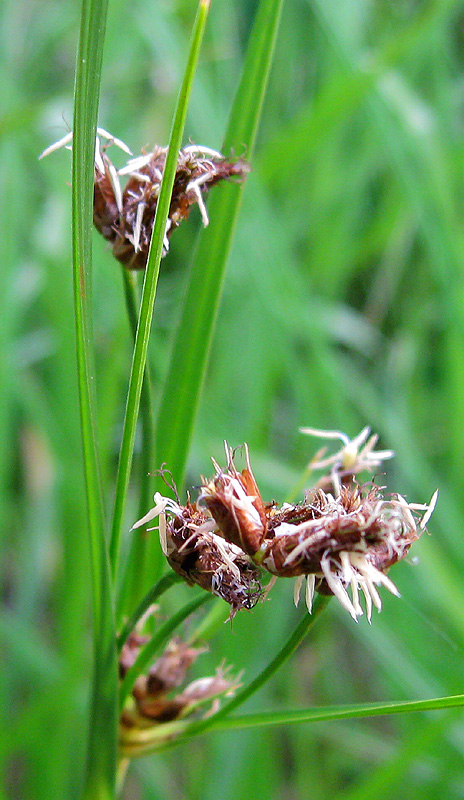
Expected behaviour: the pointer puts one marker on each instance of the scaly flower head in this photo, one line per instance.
(341, 542)
(349, 541)
(194, 550)
(125, 215)
(154, 702)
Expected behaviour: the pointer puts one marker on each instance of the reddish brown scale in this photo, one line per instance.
(105, 208)
(169, 671)
(151, 700)
(251, 488)
(237, 523)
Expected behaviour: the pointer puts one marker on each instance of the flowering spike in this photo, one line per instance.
(195, 551)
(351, 458)
(342, 542)
(153, 701)
(125, 217)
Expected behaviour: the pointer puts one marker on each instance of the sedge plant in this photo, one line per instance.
(337, 535)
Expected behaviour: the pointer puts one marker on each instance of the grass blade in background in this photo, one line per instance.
(189, 360)
(150, 284)
(339, 712)
(101, 761)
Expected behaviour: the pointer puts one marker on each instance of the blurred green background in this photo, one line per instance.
(343, 306)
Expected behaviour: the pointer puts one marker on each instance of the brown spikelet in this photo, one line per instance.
(129, 224)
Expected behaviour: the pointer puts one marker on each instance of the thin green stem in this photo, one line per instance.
(134, 581)
(82, 194)
(213, 620)
(162, 586)
(177, 729)
(146, 655)
(150, 284)
(101, 762)
(132, 299)
(267, 718)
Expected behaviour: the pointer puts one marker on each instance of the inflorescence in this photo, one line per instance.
(125, 215)
(157, 697)
(340, 540)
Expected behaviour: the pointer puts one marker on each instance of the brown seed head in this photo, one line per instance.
(338, 542)
(152, 699)
(125, 216)
(128, 223)
(196, 552)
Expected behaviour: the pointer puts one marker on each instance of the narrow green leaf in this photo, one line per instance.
(182, 390)
(150, 285)
(136, 580)
(101, 762)
(267, 718)
(181, 731)
(85, 118)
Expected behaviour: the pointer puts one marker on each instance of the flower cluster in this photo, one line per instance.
(154, 700)
(125, 216)
(342, 537)
(197, 552)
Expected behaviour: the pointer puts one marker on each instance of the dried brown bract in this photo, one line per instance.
(234, 501)
(167, 673)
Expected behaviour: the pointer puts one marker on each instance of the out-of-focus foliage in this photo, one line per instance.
(343, 306)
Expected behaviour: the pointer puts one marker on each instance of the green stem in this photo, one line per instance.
(176, 730)
(134, 582)
(132, 299)
(267, 718)
(213, 620)
(193, 339)
(150, 284)
(146, 655)
(101, 761)
(82, 194)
